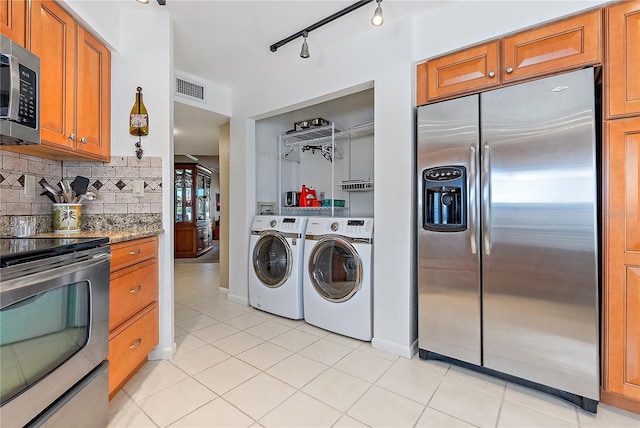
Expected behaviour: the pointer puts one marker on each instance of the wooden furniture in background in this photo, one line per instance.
(133, 308)
(192, 199)
(621, 205)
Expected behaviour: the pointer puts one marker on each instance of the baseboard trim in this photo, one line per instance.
(165, 353)
(620, 401)
(223, 290)
(237, 299)
(395, 348)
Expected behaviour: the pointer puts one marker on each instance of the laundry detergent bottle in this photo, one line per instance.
(307, 196)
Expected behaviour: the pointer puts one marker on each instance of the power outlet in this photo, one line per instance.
(29, 185)
(138, 188)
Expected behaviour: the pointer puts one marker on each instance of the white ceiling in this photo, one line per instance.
(225, 42)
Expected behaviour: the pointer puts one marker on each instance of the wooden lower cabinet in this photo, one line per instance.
(193, 240)
(621, 291)
(133, 308)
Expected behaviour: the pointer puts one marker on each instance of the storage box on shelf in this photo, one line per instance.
(133, 308)
(563, 45)
(335, 146)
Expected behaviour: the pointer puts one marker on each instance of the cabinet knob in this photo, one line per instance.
(492, 74)
(83, 140)
(135, 344)
(133, 253)
(509, 70)
(135, 290)
(72, 137)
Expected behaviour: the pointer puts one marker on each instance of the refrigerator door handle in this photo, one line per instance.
(471, 209)
(486, 197)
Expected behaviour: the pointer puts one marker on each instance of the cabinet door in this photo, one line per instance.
(623, 59)
(622, 269)
(53, 35)
(93, 99)
(13, 20)
(465, 71)
(563, 45)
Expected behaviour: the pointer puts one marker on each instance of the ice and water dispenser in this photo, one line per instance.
(444, 198)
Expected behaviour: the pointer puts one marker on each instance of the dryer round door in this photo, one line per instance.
(335, 269)
(272, 259)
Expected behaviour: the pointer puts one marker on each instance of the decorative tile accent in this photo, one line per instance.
(97, 185)
(120, 184)
(1, 178)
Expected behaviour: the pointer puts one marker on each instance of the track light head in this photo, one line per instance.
(377, 19)
(304, 52)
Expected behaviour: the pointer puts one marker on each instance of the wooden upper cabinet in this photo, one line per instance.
(621, 300)
(571, 43)
(468, 70)
(53, 36)
(622, 70)
(13, 20)
(93, 97)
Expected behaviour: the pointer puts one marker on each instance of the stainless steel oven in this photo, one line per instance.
(54, 315)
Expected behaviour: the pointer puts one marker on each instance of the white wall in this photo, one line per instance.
(386, 56)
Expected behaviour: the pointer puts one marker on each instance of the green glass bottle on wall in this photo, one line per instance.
(139, 119)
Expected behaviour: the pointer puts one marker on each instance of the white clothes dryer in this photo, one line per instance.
(338, 286)
(276, 251)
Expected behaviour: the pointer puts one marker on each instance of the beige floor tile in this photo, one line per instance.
(206, 306)
(226, 375)
(119, 402)
(410, 382)
(435, 367)
(237, 343)
(515, 415)
(542, 402)
(300, 410)
(311, 329)
(259, 395)
(366, 347)
(609, 417)
(215, 414)
(178, 400)
(344, 340)
(348, 422)
(434, 419)
(381, 408)
(268, 330)
(337, 389)
(297, 370)
(245, 321)
(199, 359)
(468, 404)
(148, 382)
(215, 332)
(325, 351)
(479, 381)
(196, 323)
(264, 355)
(225, 312)
(188, 343)
(364, 365)
(130, 416)
(294, 340)
(177, 331)
(286, 321)
(184, 313)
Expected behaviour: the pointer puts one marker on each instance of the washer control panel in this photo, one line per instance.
(279, 223)
(351, 227)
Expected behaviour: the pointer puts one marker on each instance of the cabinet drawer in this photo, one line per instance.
(125, 254)
(563, 45)
(468, 70)
(129, 348)
(132, 289)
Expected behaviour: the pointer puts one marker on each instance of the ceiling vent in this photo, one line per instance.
(190, 89)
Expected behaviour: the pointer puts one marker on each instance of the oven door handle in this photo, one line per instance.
(24, 287)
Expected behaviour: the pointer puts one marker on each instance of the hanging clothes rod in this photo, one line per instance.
(274, 47)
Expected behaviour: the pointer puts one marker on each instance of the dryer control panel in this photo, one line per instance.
(351, 227)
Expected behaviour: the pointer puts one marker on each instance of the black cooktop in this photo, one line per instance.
(14, 250)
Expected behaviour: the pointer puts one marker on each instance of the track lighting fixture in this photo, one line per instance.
(377, 19)
(304, 52)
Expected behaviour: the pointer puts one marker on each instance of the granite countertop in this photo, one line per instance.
(113, 235)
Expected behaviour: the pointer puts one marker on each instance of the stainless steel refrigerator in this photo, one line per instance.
(507, 234)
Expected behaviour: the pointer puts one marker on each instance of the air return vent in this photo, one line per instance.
(190, 89)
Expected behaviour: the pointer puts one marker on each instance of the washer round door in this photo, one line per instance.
(335, 269)
(272, 259)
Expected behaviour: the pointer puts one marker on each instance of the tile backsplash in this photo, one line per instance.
(112, 183)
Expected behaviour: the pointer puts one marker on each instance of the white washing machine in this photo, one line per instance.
(338, 287)
(276, 251)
